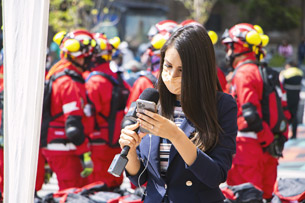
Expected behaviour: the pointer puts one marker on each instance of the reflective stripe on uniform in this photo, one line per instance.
(247, 134)
(61, 147)
(292, 87)
(284, 97)
(59, 133)
(69, 107)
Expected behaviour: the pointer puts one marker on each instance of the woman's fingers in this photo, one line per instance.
(131, 134)
(141, 135)
(126, 140)
(147, 119)
(148, 126)
(132, 127)
(152, 115)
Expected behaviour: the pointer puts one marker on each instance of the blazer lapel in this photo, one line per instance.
(187, 129)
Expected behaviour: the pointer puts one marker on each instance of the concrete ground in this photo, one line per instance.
(293, 162)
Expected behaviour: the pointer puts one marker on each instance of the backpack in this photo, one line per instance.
(272, 109)
(119, 99)
(272, 93)
(242, 193)
(47, 117)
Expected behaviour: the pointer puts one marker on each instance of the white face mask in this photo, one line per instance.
(173, 84)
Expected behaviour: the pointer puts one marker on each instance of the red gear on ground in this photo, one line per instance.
(64, 158)
(99, 91)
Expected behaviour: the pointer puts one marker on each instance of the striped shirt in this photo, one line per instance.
(165, 144)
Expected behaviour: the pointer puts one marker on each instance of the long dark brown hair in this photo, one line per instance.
(199, 84)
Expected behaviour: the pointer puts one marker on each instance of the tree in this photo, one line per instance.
(70, 14)
(281, 15)
(200, 9)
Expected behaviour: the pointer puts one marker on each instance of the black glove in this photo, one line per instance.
(275, 149)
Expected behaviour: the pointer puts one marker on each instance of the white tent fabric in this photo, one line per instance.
(25, 44)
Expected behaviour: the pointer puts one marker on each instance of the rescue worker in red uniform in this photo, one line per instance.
(100, 92)
(66, 138)
(252, 162)
(158, 34)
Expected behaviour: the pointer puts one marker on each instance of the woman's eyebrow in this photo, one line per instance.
(167, 61)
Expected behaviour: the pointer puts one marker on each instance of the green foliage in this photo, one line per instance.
(277, 61)
(279, 15)
(199, 9)
(69, 14)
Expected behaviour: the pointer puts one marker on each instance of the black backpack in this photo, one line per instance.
(47, 117)
(119, 99)
(272, 91)
(272, 109)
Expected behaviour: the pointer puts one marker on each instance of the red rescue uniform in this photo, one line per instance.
(68, 96)
(251, 163)
(99, 90)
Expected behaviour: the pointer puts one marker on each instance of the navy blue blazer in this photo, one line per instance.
(200, 181)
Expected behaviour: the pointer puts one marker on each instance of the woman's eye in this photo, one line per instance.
(167, 66)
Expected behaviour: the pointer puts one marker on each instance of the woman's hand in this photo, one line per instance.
(159, 125)
(129, 137)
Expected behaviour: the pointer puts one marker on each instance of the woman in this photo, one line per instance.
(192, 144)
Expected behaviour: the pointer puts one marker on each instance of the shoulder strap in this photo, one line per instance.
(74, 76)
(268, 78)
(243, 63)
(108, 77)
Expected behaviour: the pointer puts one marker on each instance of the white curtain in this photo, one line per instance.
(25, 44)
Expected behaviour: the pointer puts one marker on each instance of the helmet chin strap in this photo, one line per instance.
(241, 53)
(230, 59)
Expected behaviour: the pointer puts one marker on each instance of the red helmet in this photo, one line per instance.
(77, 44)
(163, 26)
(189, 22)
(103, 48)
(244, 36)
